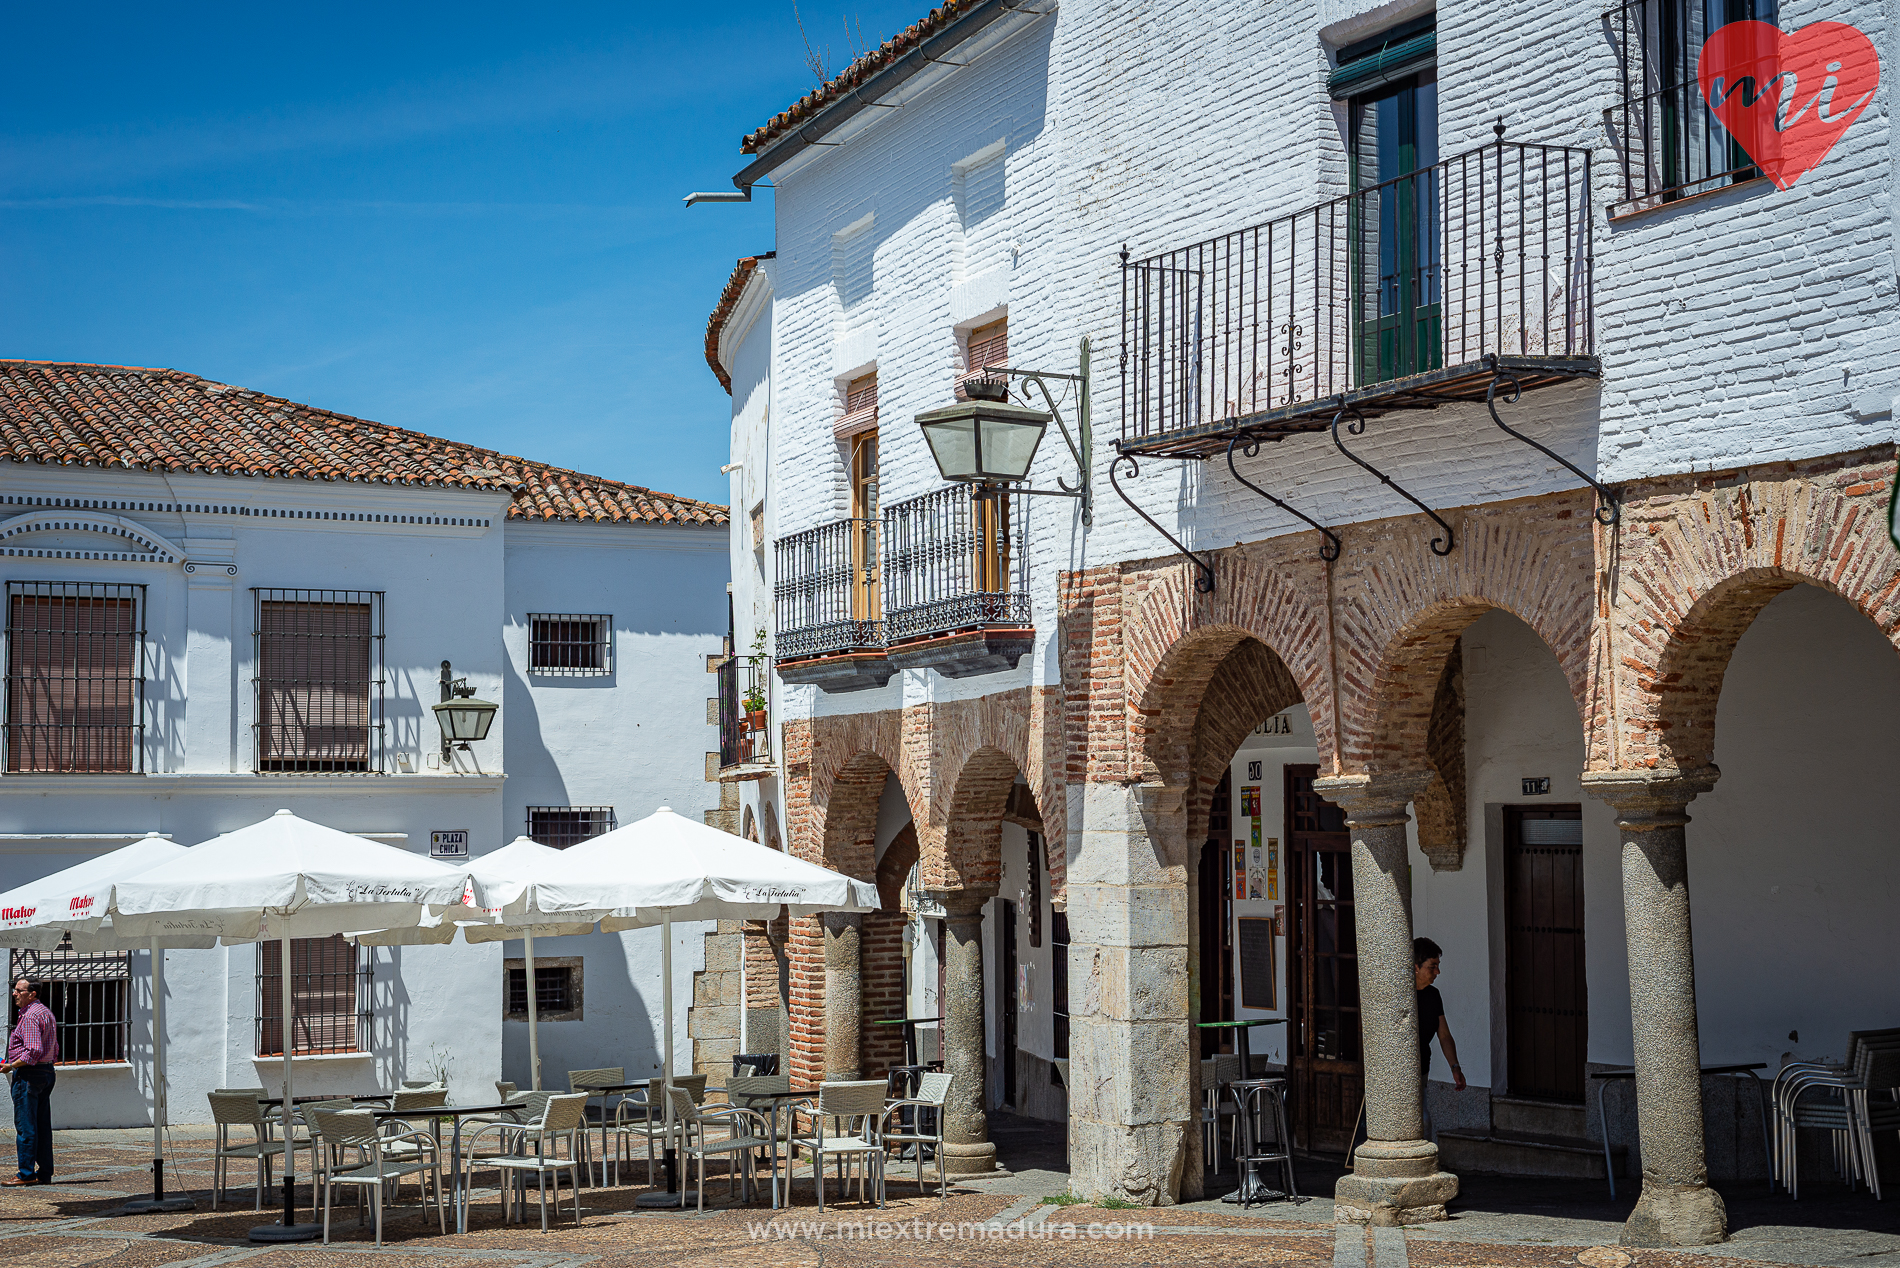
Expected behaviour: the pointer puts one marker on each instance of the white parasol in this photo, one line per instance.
(664, 867)
(42, 914)
(283, 877)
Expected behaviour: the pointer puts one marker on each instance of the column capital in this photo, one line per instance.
(1645, 800)
(963, 904)
(1375, 797)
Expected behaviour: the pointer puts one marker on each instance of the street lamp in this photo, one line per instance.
(460, 715)
(987, 441)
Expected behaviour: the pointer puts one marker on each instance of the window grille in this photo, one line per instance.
(553, 990)
(1059, 979)
(1669, 142)
(319, 681)
(739, 743)
(954, 559)
(570, 646)
(75, 699)
(89, 995)
(330, 996)
(562, 826)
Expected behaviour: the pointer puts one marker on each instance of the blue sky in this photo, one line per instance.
(463, 219)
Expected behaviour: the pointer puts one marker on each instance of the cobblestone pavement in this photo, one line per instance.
(1002, 1220)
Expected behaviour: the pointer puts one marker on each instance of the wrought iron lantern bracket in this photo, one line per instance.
(1329, 545)
(1080, 441)
(1608, 511)
(1204, 582)
(1441, 546)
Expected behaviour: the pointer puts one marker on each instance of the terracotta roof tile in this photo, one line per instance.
(133, 417)
(728, 300)
(856, 74)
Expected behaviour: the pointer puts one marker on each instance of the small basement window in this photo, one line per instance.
(557, 989)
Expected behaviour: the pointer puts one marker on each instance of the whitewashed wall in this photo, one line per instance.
(454, 591)
(1754, 324)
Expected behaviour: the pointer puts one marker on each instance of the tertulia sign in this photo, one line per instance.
(1787, 97)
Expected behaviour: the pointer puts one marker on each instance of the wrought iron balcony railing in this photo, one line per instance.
(744, 738)
(826, 597)
(955, 559)
(1387, 298)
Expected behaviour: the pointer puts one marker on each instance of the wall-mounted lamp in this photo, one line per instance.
(460, 715)
(985, 440)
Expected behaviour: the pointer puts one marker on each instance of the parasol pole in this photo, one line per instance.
(534, 1038)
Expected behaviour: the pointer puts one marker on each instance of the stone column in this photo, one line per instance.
(1133, 1119)
(1677, 1208)
(966, 1130)
(1395, 1177)
(844, 992)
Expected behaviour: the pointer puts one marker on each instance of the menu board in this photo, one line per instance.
(1258, 980)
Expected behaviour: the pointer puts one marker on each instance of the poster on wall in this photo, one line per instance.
(1273, 869)
(1240, 869)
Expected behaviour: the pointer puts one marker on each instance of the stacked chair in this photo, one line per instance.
(1850, 1101)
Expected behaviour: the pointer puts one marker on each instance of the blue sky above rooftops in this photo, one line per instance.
(462, 219)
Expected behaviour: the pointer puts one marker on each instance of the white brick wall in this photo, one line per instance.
(1752, 324)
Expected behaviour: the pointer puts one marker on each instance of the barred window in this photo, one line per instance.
(562, 826)
(89, 995)
(570, 645)
(75, 699)
(557, 993)
(330, 996)
(1669, 142)
(319, 681)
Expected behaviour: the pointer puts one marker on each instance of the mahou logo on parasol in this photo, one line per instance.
(1787, 97)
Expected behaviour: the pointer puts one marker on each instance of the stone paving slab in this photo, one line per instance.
(999, 1221)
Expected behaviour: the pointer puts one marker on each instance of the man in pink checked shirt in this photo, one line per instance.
(32, 1049)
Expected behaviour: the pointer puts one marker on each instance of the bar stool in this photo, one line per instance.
(1255, 1101)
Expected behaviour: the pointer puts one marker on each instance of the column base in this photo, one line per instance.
(1676, 1215)
(968, 1160)
(1394, 1182)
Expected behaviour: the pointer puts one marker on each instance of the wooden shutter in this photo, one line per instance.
(314, 689)
(860, 407)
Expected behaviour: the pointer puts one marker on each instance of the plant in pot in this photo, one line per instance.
(754, 699)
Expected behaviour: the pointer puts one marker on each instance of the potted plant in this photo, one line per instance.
(754, 699)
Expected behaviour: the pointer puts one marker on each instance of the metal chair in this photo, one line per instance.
(564, 1117)
(1255, 1102)
(1216, 1073)
(643, 1115)
(242, 1109)
(737, 1148)
(1850, 1103)
(418, 1101)
(357, 1129)
(589, 1081)
(932, 1090)
(855, 1109)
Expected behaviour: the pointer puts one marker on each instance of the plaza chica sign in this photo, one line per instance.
(1786, 97)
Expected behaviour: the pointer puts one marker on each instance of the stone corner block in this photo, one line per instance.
(1669, 1215)
(1394, 1200)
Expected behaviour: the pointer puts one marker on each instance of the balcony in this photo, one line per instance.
(956, 590)
(1424, 290)
(826, 608)
(745, 741)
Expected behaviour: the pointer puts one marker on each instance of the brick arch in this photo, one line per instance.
(894, 868)
(1176, 639)
(971, 861)
(1024, 727)
(1703, 558)
(1250, 685)
(1401, 611)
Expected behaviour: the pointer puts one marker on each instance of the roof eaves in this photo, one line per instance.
(722, 311)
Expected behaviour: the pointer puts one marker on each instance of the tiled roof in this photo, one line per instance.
(65, 414)
(856, 74)
(728, 300)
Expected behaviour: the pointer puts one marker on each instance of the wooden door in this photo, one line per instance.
(1328, 1074)
(1217, 922)
(1006, 998)
(1546, 1012)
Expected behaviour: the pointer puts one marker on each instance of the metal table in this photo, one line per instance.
(1629, 1072)
(910, 1025)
